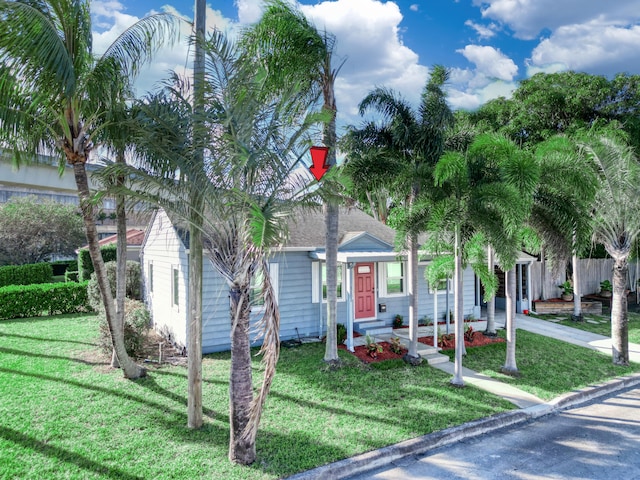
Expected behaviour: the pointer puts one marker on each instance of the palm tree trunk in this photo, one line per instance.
(577, 287)
(619, 313)
(121, 258)
(457, 379)
(491, 303)
(412, 354)
(194, 329)
(332, 215)
(240, 382)
(331, 221)
(510, 367)
(129, 367)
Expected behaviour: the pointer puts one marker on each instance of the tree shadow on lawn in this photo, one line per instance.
(24, 353)
(44, 339)
(64, 456)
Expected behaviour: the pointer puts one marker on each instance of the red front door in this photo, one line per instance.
(365, 297)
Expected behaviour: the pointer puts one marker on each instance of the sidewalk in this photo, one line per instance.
(530, 406)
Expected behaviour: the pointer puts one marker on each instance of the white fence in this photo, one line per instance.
(592, 272)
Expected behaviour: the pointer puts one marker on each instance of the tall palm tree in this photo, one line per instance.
(408, 143)
(486, 191)
(295, 53)
(54, 93)
(248, 190)
(615, 221)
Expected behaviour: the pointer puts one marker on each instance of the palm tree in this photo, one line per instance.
(296, 54)
(54, 93)
(615, 221)
(408, 145)
(248, 190)
(485, 192)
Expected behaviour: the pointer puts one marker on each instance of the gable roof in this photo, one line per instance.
(134, 237)
(307, 228)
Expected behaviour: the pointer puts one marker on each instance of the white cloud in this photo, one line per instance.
(527, 18)
(482, 31)
(593, 47)
(249, 11)
(368, 39)
(490, 62)
(415, 7)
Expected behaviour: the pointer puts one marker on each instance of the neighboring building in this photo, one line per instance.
(134, 236)
(372, 285)
(41, 178)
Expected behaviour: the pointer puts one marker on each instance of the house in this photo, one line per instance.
(372, 281)
(134, 237)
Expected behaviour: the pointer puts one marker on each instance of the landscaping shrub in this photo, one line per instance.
(70, 276)
(136, 324)
(133, 283)
(26, 274)
(341, 331)
(20, 301)
(85, 265)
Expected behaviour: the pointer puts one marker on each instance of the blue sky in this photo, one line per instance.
(489, 45)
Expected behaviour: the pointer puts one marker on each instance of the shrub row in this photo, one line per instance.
(85, 265)
(19, 301)
(26, 274)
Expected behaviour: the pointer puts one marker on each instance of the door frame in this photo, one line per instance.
(374, 275)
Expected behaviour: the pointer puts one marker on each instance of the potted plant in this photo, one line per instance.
(567, 291)
(605, 288)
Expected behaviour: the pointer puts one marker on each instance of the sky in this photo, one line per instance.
(488, 45)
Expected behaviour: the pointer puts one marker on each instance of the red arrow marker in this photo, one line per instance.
(319, 158)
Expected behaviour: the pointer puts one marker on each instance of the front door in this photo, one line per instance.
(365, 292)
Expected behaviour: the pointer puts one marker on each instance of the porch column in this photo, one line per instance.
(348, 283)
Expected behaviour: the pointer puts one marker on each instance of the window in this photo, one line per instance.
(392, 279)
(320, 269)
(444, 286)
(175, 286)
(150, 276)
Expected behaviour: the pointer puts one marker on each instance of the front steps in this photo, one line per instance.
(377, 330)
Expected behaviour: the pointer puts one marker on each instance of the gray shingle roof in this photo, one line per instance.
(307, 228)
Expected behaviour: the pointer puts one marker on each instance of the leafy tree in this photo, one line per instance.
(54, 93)
(408, 144)
(297, 55)
(615, 221)
(32, 231)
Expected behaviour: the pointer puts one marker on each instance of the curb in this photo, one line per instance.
(416, 446)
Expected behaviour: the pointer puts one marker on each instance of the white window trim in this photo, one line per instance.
(175, 288)
(316, 282)
(382, 280)
(274, 273)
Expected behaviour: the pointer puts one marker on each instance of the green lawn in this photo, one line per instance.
(63, 414)
(548, 367)
(604, 325)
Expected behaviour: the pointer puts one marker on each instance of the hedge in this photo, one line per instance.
(19, 301)
(85, 265)
(26, 274)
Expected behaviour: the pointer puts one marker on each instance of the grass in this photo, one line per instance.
(604, 325)
(548, 367)
(64, 414)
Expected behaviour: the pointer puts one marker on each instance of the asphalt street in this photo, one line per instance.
(598, 441)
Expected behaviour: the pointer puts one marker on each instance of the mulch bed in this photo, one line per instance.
(386, 354)
(479, 339)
